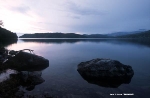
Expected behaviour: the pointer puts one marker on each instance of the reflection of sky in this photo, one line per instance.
(99, 49)
(23, 46)
(28, 45)
(124, 52)
(6, 74)
(64, 58)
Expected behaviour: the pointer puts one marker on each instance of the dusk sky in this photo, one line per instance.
(75, 16)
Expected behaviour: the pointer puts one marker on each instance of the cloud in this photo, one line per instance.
(112, 16)
(84, 16)
(21, 9)
(76, 9)
(18, 16)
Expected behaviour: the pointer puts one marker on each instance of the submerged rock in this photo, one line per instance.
(105, 72)
(30, 79)
(26, 73)
(18, 82)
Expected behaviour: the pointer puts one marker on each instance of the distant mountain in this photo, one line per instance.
(145, 34)
(125, 33)
(97, 36)
(4, 33)
(62, 35)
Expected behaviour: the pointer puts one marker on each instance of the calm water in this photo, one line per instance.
(62, 78)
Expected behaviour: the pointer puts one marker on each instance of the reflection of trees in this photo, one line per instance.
(145, 42)
(58, 41)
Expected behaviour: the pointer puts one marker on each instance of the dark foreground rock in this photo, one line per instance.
(23, 61)
(26, 73)
(105, 72)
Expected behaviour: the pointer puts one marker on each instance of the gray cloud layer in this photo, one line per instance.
(98, 16)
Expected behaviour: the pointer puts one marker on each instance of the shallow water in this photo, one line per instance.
(62, 78)
(6, 74)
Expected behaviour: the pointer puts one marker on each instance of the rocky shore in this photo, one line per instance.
(20, 72)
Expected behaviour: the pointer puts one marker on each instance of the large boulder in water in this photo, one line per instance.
(24, 61)
(105, 72)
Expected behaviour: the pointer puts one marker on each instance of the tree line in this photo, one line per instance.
(1, 23)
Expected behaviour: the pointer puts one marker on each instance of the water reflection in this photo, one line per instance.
(106, 82)
(116, 41)
(20, 80)
(30, 79)
(4, 75)
(64, 55)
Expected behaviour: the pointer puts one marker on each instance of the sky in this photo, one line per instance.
(75, 16)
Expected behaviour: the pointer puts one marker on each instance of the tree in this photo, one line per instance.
(1, 23)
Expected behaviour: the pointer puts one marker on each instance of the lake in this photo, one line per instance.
(62, 79)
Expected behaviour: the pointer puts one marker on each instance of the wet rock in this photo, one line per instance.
(12, 52)
(2, 50)
(31, 79)
(28, 72)
(105, 72)
(3, 54)
(35, 77)
(24, 61)
(20, 82)
(10, 86)
(19, 94)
